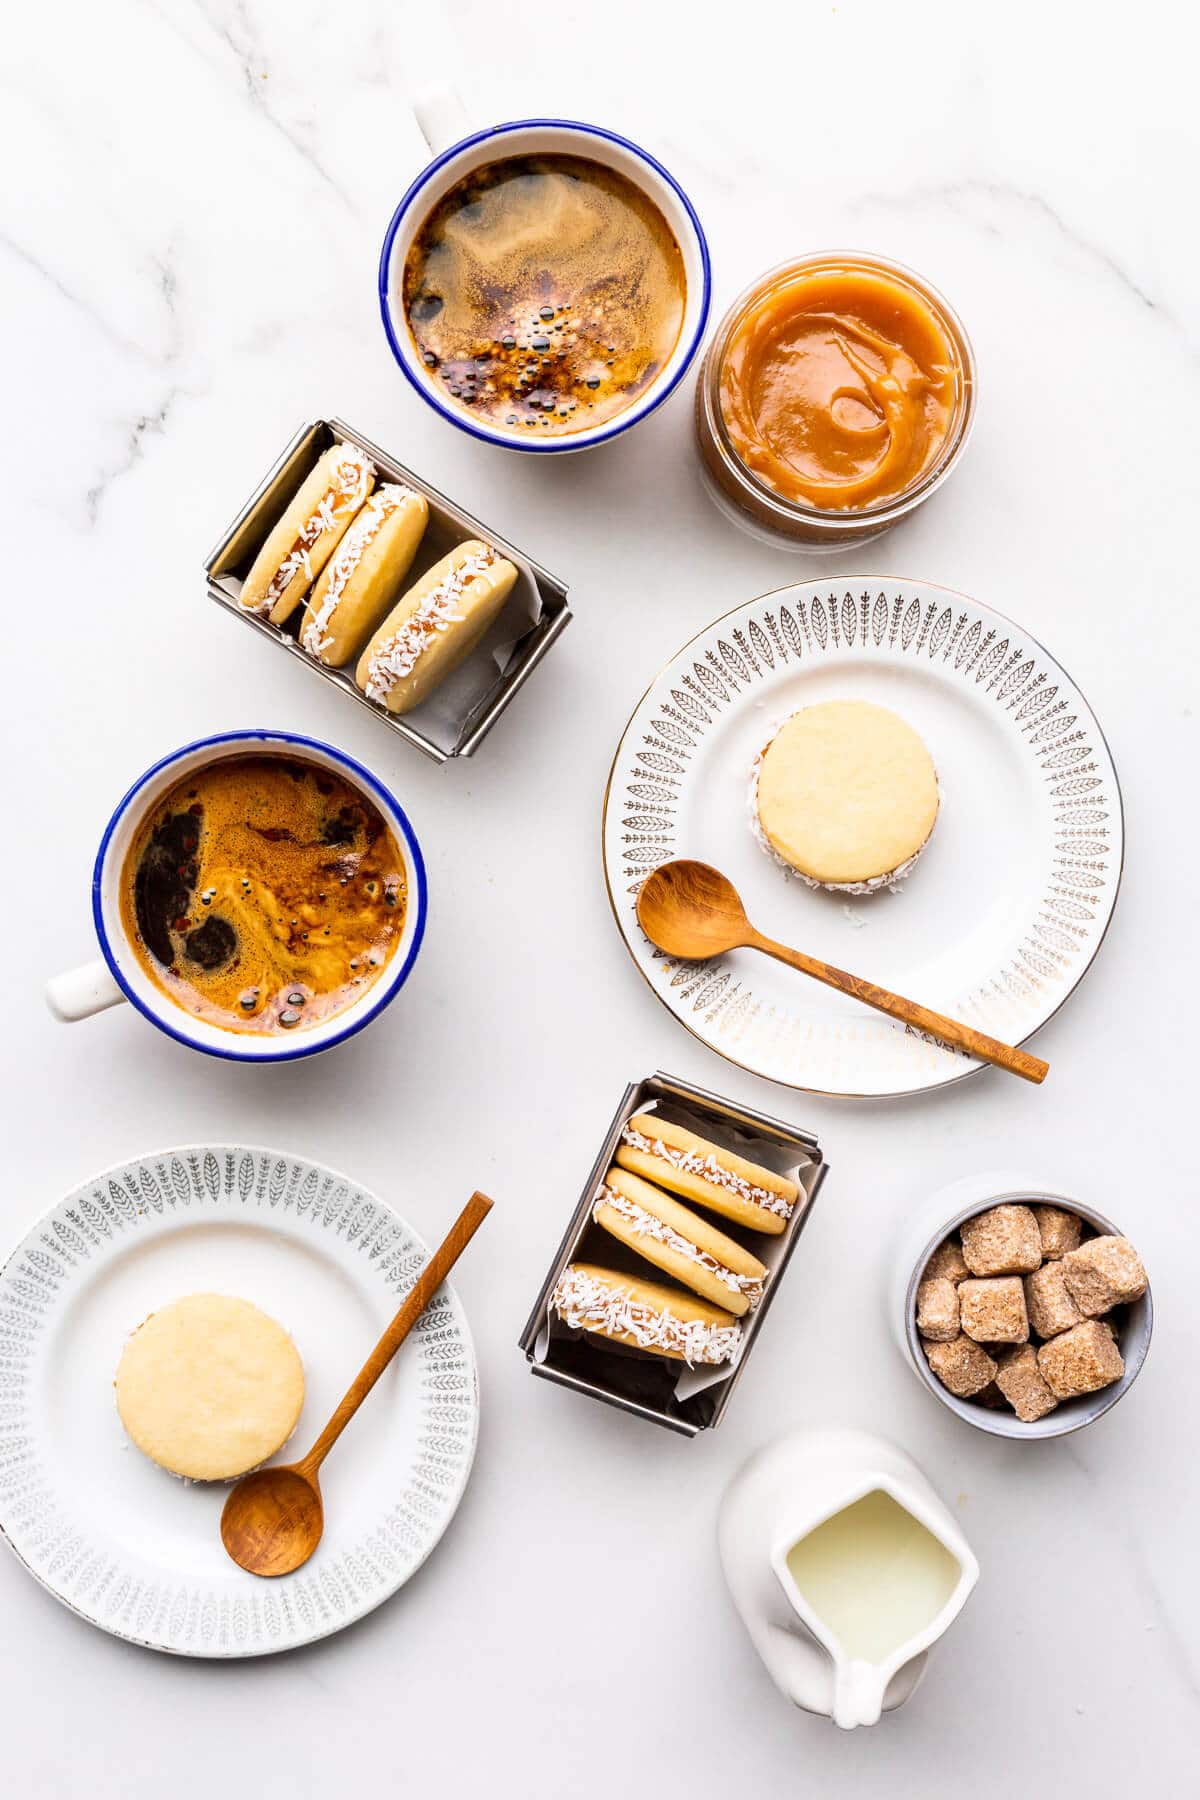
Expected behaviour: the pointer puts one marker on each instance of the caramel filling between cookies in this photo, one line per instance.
(646, 1225)
(345, 495)
(347, 557)
(588, 1305)
(396, 659)
(708, 1169)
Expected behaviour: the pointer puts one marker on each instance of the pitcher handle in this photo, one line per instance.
(441, 117)
(802, 1671)
(78, 993)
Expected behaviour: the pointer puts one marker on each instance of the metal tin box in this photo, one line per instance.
(645, 1384)
(541, 597)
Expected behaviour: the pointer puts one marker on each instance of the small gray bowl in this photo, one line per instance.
(1068, 1415)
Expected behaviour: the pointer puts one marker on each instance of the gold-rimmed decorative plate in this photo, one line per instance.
(133, 1549)
(1007, 905)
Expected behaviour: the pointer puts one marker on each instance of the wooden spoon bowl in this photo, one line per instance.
(273, 1519)
(691, 910)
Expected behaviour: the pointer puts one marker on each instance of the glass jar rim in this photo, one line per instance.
(892, 506)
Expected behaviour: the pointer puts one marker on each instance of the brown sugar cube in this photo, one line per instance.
(1059, 1231)
(1021, 1382)
(1103, 1273)
(947, 1262)
(1002, 1241)
(993, 1311)
(1081, 1360)
(1050, 1307)
(962, 1366)
(937, 1310)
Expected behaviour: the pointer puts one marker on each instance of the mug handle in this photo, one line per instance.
(441, 117)
(78, 993)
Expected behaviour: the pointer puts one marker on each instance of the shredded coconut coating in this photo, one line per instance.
(646, 1225)
(398, 655)
(345, 494)
(348, 555)
(586, 1304)
(709, 1169)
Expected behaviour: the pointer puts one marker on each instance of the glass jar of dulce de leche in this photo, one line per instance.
(837, 393)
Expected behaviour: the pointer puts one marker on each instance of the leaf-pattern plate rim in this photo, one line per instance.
(791, 627)
(180, 1617)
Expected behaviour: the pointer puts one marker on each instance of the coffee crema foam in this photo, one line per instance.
(545, 293)
(263, 894)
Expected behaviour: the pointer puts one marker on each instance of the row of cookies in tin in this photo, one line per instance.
(342, 548)
(721, 1280)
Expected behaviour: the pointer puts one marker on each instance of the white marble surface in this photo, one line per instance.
(195, 199)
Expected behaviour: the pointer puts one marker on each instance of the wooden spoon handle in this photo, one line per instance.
(420, 1294)
(950, 1031)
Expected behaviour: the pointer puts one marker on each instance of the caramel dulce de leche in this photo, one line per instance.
(836, 391)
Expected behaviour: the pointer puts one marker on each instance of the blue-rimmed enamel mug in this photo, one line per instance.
(458, 152)
(120, 976)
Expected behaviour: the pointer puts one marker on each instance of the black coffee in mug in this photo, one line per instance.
(544, 293)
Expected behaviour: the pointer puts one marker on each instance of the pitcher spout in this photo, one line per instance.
(858, 1694)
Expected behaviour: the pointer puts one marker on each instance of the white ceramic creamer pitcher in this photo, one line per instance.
(845, 1567)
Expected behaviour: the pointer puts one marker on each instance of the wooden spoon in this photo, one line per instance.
(273, 1518)
(691, 910)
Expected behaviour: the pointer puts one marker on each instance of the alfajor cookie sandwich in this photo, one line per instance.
(209, 1387)
(435, 626)
(846, 796)
(677, 1159)
(308, 533)
(645, 1315)
(679, 1242)
(363, 576)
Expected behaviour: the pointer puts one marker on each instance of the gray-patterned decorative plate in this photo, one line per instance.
(134, 1550)
(1011, 898)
